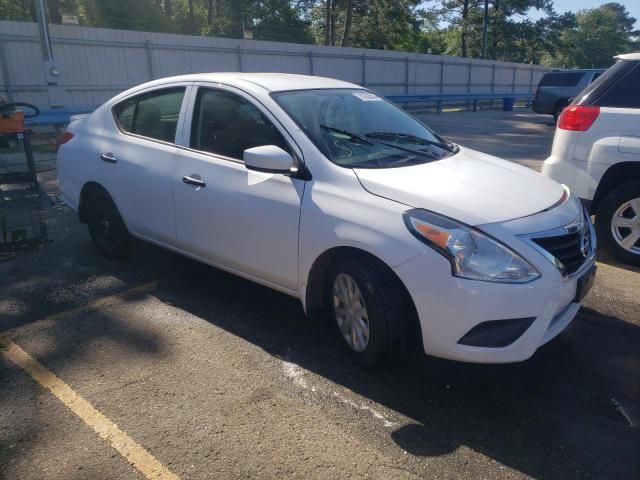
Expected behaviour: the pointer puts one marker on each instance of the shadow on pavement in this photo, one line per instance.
(533, 417)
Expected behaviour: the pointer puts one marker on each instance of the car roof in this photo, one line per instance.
(273, 82)
(629, 56)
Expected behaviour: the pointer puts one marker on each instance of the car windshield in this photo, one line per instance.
(355, 128)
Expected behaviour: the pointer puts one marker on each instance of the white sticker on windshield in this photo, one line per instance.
(367, 96)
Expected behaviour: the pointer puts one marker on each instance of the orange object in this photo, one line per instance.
(12, 122)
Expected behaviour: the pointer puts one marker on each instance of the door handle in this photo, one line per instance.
(108, 157)
(194, 181)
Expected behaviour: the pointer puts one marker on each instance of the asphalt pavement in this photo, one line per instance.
(212, 376)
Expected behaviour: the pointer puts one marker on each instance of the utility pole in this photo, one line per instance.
(51, 68)
(485, 26)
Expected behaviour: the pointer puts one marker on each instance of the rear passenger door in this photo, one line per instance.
(138, 160)
(615, 135)
(620, 108)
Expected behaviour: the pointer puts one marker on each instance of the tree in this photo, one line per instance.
(594, 38)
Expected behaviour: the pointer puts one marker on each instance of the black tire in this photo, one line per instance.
(604, 216)
(106, 227)
(386, 306)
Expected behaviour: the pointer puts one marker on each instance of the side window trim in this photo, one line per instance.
(113, 106)
(185, 140)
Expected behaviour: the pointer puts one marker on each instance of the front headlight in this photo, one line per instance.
(473, 255)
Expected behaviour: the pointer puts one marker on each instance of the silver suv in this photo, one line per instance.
(558, 87)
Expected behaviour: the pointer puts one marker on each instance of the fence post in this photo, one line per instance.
(364, 69)
(310, 62)
(406, 75)
(6, 76)
(493, 84)
(147, 50)
(470, 65)
(530, 88)
(240, 62)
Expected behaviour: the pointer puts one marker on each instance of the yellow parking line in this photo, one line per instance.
(142, 460)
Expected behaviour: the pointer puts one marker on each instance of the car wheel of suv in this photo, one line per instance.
(618, 223)
(368, 309)
(106, 227)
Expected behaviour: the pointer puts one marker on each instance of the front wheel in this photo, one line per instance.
(618, 223)
(368, 309)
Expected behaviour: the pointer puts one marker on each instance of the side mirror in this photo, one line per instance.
(268, 159)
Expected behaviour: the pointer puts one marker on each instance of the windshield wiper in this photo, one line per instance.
(354, 136)
(373, 141)
(408, 138)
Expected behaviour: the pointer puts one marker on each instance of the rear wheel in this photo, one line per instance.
(618, 223)
(106, 227)
(369, 310)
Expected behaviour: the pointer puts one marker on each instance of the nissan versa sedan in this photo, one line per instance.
(327, 192)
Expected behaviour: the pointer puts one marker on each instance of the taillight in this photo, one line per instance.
(64, 138)
(578, 118)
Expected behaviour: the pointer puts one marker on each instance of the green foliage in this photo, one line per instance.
(587, 38)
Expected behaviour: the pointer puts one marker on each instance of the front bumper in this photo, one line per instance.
(449, 307)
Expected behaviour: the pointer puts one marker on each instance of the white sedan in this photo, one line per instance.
(327, 192)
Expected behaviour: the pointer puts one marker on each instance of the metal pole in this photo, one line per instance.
(43, 27)
(149, 54)
(406, 76)
(240, 62)
(485, 27)
(6, 76)
(364, 69)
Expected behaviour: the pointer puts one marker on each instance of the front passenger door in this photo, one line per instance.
(243, 220)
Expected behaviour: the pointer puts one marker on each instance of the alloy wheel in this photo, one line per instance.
(625, 226)
(350, 312)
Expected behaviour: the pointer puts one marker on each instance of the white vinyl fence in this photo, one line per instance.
(96, 64)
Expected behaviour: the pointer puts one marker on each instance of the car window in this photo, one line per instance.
(561, 79)
(154, 115)
(227, 124)
(596, 75)
(625, 93)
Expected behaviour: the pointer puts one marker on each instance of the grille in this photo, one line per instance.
(567, 248)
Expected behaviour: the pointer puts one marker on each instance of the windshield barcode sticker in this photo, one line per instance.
(367, 96)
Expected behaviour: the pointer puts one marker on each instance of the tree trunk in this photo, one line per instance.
(192, 18)
(54, 11)
(168, 8)
(465, 25)
(346, 34)
(333, 23)
(209, 12)
(327, 22)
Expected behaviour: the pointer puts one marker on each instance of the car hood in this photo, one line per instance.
(471, 187)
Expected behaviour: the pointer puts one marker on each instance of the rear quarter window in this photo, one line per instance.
(561, 79)
(625, 93)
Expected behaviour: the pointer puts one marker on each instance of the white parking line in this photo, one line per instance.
(137, 456)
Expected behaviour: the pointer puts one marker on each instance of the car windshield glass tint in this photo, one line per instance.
(561, 79)
(355, 128)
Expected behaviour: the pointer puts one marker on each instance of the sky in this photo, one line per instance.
(561, 6)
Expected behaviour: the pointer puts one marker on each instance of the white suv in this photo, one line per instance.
(596, 153)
